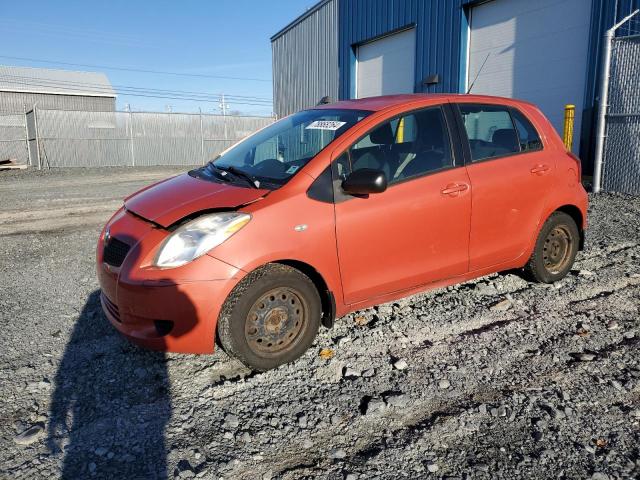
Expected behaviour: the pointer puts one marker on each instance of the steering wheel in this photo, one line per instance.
(270, 165)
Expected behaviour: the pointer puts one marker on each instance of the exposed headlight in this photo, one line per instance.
(195, 238)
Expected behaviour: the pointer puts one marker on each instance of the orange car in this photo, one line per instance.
(335, 209)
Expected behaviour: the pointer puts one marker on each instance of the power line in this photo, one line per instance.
(186, 98)
(71, 86)
(139, 70)
(102, 88)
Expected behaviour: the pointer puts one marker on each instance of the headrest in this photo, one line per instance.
(383, 135)
(506, 138)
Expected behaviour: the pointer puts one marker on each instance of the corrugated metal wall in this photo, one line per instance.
(305, 60)
(438, 37)
(17, 102)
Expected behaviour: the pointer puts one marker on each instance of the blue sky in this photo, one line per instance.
(218, 37)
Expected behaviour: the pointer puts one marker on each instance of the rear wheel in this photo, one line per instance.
(555, 249)
(271, 317)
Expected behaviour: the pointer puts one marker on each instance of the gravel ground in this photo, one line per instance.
(494, 378)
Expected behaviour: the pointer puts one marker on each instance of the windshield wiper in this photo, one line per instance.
(239, 173)
(216, 172)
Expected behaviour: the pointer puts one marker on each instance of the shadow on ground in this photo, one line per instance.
(110, 404)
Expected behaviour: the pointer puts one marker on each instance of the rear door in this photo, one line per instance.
(510, 175)
(415, 232)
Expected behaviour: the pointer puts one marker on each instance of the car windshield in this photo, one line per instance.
(270, 157)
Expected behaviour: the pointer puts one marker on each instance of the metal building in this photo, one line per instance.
(305, 54)
(547, 52)
(22, 88)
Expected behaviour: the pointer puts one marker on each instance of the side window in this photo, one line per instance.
(404, 147)
(490, 131)
(529, 138)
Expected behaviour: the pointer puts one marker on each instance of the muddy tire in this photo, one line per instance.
(555, 249)
(270, 318)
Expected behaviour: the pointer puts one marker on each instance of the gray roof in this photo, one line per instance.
(59, 82)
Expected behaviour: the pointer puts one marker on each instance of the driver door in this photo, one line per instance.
(415, 232)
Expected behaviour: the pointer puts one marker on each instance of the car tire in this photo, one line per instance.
(555, 249)
(270, 318)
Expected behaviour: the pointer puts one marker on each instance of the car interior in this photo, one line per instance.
(490, 131)
(422, 147)
(503, 141)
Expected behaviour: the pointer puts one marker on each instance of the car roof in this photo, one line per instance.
(380, 103)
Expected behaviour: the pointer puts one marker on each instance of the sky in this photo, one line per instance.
(216, 38)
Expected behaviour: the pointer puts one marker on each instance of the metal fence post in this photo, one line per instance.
(204, 159)
(226, 135)
(26, 134)
(35, 124)
(602, 111)
(133, 156)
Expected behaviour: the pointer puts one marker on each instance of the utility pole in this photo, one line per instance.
(224, 106)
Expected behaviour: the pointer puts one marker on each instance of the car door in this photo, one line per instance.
(509, 172)
(415, 232)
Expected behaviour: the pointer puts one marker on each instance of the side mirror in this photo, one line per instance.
(364, 181)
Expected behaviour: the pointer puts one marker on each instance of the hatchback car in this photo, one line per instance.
(335, 209)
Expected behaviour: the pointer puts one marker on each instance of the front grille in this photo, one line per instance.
(111, 307)
(115, 252)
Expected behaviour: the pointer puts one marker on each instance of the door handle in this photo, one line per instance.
(540, 169)
(454, 189)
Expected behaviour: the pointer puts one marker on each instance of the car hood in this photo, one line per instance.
(170, 200)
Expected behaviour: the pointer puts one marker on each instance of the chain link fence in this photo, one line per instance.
(61, 138)
(621, 157)
(13, 138)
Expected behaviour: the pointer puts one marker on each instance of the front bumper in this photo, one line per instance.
(163, 309)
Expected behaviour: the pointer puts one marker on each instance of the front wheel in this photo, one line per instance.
(555, 249)
(270, 318)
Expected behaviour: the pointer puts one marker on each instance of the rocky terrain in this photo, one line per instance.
(494, 378)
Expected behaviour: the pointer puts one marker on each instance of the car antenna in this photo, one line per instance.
(478, 74)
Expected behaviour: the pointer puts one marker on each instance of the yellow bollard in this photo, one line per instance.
(400, 131)
(569, 118)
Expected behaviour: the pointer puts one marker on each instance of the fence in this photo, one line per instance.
(621, 156)
(13, 135)
(61, 138)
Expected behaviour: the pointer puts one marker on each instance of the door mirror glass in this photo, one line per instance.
(365, 181)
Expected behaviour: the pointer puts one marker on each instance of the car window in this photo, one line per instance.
(271, 156)
(490, 131)
(404, 147)
(529, 138)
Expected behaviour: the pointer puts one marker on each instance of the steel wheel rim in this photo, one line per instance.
(276, 321)
(556, 252)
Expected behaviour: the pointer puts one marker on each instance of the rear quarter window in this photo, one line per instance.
(527, 134)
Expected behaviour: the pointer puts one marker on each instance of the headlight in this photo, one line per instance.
(194, 239)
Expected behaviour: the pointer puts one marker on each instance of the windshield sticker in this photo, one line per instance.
(325, 125)
(292, 169)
